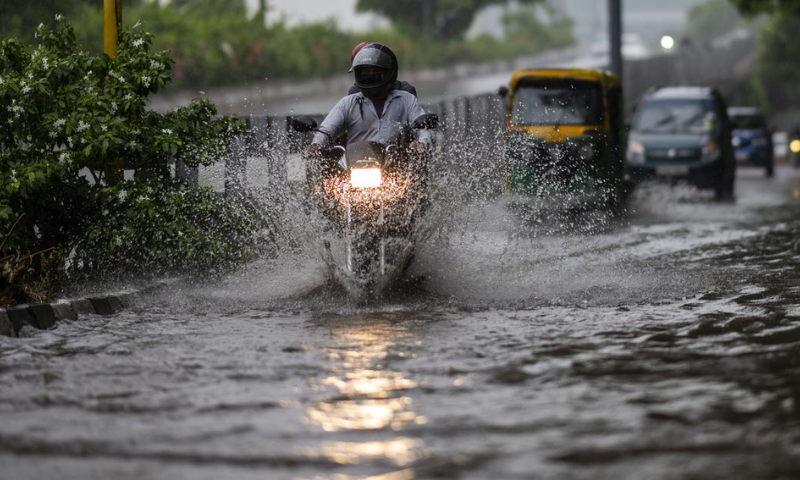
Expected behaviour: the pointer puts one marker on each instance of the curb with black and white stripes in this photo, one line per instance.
(46, 315)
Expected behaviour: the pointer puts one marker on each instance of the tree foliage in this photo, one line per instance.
(755, 7)
(712, 19)
(438, 18)
(214, 42)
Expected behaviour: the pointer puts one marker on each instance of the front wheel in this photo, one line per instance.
(365, 253)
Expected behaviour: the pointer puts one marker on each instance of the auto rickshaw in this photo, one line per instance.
(565, 137)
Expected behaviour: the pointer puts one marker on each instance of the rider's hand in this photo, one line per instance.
(313, 151)
(418, 148)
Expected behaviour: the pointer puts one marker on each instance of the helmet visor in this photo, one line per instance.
(371, 76)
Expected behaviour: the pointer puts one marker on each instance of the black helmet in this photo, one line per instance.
(375, 85)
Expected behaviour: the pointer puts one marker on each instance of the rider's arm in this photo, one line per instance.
(333, 125)
(414, 112)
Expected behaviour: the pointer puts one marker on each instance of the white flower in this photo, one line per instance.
(132, 144)
(63, 158)
(105, 212)
(59, 124)
(26, 89)
(138, 42)
(118, 241)
(1, 80)
(145, 80)
(156, 65)
(167, 131)
(128, 96)
(103, 128)
(121, 79)
(59, 17)
(69, 141)
(53, 134)
(82, 126)
(138, 24)
(143, 198)
(122, 195)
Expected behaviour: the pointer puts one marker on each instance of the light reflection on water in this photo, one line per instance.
(367, 396)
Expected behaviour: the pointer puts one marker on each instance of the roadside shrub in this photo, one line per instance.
(66, 112)
(157, 227)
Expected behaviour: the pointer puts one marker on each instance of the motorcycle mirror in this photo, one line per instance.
(303, 124)
(426, 122)
(503, 92)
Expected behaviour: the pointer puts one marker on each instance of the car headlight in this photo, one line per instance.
(711, 151)
(795, 146)
(636, 152)
(366, 177)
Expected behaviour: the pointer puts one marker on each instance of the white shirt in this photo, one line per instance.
(355, 114)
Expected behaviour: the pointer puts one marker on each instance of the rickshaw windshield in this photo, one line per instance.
(557, 102)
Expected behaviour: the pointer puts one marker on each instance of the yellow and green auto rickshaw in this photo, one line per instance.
(565, 140)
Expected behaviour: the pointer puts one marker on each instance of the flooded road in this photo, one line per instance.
(664, 345)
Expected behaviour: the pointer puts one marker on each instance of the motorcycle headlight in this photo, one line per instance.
(710, 151)
(366, 177)
(636, 152)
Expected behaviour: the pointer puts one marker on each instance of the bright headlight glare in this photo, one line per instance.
(795, 146)
(711, 151)
(365, 177)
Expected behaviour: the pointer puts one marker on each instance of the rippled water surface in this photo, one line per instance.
(664, 345)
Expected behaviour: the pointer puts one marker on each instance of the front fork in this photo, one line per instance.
(353, 227)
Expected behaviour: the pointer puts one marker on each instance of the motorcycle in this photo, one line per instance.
(372, 194)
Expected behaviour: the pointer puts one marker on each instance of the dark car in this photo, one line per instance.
(682, 134)
(752, 138)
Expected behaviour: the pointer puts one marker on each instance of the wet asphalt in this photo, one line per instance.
(664, 344)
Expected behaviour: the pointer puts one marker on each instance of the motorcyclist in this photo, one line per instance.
(398, 85)
(378, 111)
